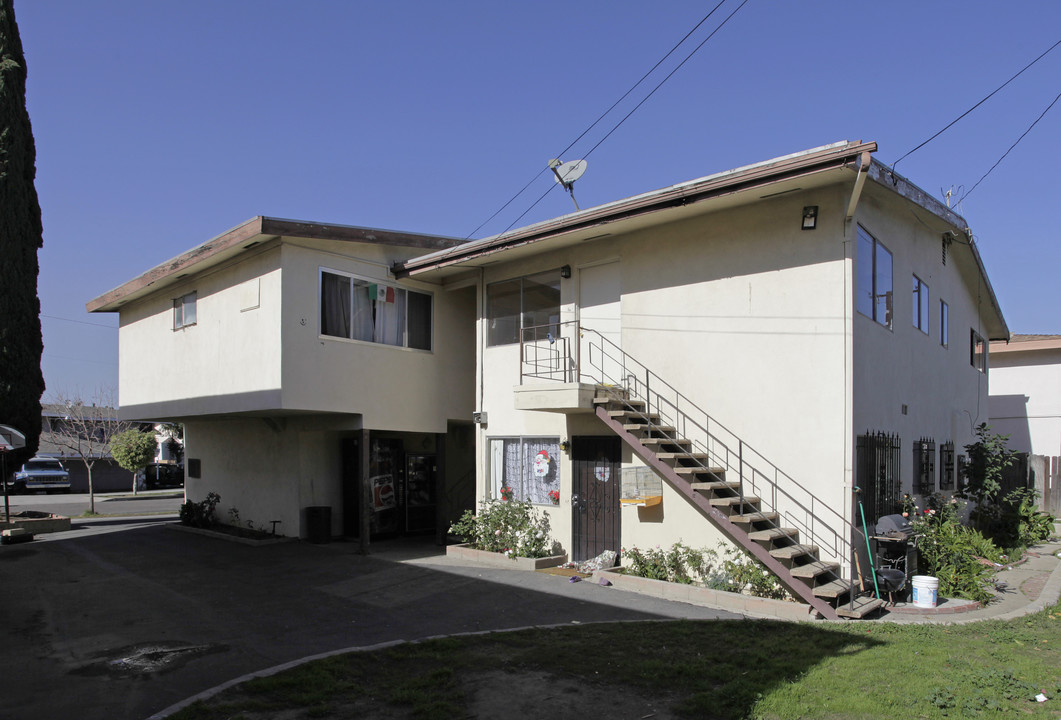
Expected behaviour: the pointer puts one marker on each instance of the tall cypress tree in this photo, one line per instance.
(21, 380)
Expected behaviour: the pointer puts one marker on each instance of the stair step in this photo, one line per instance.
(863, 606)
(636, 417)
(665, 442)
(714, 486)
(771, 534)
(813, 569)
(832, 590)
(716, 471)
(698, 457)
(666, 430)
(752, 518)
(734, 501)
(791, 552)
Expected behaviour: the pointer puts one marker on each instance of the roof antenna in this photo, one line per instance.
(566, 174)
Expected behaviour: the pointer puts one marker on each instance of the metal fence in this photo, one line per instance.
(877, 474)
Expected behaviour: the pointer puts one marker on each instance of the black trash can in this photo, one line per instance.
(319, 524)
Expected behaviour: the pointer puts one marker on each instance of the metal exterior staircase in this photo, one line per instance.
(740, 517)
(759, 508)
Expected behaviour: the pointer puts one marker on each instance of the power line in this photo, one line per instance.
(643, 100)
(1041, 115)
(80, 322)
(595, 122)
(926, 142)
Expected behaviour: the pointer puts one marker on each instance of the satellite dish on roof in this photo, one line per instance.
(566, 174)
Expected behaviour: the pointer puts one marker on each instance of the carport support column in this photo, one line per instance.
(440, 485)
(365, 490)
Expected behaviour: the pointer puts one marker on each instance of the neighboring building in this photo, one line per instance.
(1025, 401)
(107, 475)
(739, 336)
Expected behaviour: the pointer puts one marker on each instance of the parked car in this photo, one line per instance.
(40, 473)
(160, 475)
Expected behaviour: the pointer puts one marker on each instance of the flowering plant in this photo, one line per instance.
(950, 550)
(554, 495)
(512, 527)
(507, 493)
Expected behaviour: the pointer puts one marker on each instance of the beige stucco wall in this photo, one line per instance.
(230, 351)
(944, 396)
(271, 358)
(270, 470)
(392, 388)
(1025, 399)
(743, 313)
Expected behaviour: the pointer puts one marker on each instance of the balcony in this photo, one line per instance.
(550, 375)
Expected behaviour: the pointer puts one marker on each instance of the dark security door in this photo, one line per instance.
(596, 464)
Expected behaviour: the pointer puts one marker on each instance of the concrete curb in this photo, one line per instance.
(468, 554)
(180, 527)
(706, 597)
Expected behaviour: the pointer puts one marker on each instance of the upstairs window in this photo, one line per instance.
(874, 282)
(977, 351)
(374, 312)
(527, 302)
(184, 311)
(920, 305)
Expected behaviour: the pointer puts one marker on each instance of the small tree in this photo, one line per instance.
(134, 450)
(988, 459)
(85, 431)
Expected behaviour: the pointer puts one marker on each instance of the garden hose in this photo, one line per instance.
(869, 551)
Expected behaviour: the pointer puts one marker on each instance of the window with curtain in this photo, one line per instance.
(529, 466)
(527, 302)
(358, 309)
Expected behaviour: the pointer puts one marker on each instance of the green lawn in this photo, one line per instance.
(708, 669)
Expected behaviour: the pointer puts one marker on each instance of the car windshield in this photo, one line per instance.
(43, 465)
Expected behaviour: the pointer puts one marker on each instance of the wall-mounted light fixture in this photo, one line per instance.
(565, 445)
(810, 217)
(565, 271)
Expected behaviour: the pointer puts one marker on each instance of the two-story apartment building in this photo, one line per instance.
(703, 362)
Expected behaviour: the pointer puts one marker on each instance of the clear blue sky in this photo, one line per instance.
(162, 124)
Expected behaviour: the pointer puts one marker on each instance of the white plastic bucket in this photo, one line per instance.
(925, 589)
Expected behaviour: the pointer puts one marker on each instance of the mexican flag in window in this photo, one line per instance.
(381, 293)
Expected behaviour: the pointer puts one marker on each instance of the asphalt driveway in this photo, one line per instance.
(124, 624)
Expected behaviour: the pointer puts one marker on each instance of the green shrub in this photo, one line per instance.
(951, 551)
(512, 527)
(200, 514)
(737, 572)
(679, 564)
(746, 574)
(1012, 520)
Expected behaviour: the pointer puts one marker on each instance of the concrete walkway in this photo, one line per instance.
(101, 624)
(136, 622)
(1027, 586)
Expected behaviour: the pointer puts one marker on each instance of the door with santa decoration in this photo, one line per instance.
(596, 464)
